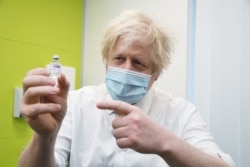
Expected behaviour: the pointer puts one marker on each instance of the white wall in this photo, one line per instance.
(173, 14)
(222, 73)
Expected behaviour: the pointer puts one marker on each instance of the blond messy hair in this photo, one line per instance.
(136, 25)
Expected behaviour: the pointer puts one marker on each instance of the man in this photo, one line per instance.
(124, 122)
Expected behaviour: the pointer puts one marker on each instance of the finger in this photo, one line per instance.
(37, 76)
(120, 132)
(119, 122)
(37, 80)
(40, 91)
(63, 85)
(124, 142)
(39, 108)
(38, 71)
(121, 108)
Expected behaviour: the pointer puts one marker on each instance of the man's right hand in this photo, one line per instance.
(44, 105)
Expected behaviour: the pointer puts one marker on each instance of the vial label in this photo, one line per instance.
(55, 68)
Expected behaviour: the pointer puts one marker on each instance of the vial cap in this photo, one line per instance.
(56, 57)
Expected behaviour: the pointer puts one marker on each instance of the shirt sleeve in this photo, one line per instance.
(63, 141)
(195, 132)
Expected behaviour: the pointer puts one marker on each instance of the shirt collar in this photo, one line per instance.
(145, 103)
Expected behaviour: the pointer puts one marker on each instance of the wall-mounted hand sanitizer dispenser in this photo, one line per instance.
(17, 102)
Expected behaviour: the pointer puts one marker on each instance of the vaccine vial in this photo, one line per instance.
(55, 68)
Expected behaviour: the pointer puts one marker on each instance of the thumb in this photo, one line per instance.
(63, 86)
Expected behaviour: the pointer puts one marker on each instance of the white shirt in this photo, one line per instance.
(85, 138)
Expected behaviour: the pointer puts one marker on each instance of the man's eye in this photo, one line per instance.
(118, 58)
(138, 63)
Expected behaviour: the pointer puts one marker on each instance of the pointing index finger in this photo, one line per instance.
(119, 107)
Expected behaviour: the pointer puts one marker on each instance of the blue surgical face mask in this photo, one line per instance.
(125, 85)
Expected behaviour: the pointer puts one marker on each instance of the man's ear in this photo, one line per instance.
(106, 67)
(156, 76)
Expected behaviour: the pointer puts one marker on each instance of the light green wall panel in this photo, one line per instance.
(11, 148)
(48, 23)
(30, 33)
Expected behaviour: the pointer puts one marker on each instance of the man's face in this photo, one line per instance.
(135, 57)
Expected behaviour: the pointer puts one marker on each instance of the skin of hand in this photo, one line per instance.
(133, 128)
(44, 105)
